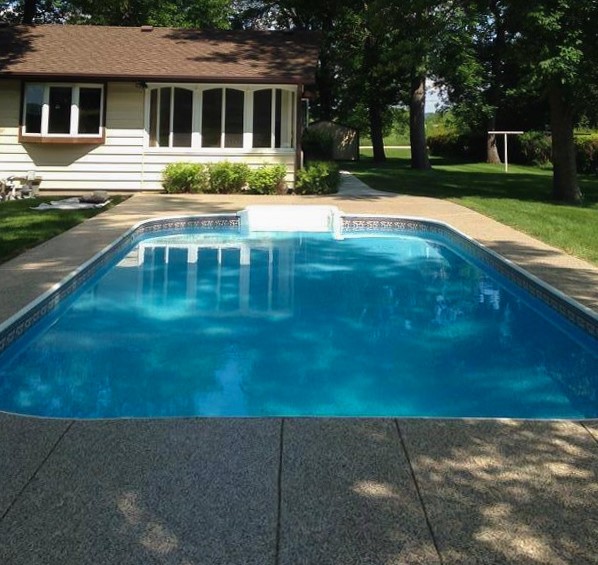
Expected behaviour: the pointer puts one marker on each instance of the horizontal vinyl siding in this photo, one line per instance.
(155, 163)
(121, 163)
(115, 165)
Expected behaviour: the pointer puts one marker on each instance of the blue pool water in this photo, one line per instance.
(216, 324)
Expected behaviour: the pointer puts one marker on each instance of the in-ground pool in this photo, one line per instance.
(212, 322)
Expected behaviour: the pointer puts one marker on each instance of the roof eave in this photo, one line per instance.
(298, 80)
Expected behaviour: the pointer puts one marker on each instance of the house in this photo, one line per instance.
(89, 107)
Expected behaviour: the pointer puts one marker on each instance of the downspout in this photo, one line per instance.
(298, 132)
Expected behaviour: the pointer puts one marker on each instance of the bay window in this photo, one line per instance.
(220, 117)
(62, 111)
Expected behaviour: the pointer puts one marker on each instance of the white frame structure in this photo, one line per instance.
(74, 121)
(288, 118)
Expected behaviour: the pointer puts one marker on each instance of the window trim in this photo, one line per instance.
(196, 132)
(73, 137)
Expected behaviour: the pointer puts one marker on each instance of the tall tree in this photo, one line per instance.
(29, 11)
(411, 28)
(559, 45)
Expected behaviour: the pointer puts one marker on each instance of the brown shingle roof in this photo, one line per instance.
(105, 52)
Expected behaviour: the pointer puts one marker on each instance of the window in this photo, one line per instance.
(220, 117)
(234, 116)
(211, 118)
(62, 110)
(262, 118)
(171, 117)
(273, 118)
(223, 111)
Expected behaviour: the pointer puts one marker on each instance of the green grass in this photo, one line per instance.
(520, 198)
(392, 139)
(22, 228)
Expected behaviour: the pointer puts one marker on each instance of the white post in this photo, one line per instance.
(506, 133)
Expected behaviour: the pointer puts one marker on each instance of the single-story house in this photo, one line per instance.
(90, 107)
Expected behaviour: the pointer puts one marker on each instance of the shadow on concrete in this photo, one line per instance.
(507, 492)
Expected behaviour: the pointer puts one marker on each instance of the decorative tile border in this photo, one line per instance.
(574, 312)
(17, 325)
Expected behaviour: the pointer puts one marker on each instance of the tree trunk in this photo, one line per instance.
(324, 74)
(417, 122)
(498, 48)
(375, 113)
(564, 179)
(492, 155)
(29, 11)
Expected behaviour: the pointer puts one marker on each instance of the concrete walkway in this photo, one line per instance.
(291, 491)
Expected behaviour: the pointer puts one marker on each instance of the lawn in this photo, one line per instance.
(519, 198)
(22, 228)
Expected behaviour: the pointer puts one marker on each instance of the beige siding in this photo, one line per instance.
(121, 163)
(115, 165)
(156, 161)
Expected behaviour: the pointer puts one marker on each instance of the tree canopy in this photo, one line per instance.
(502, 64)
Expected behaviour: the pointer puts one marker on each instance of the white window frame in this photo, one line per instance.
(194, 106)
(287, 127)
(74, 125)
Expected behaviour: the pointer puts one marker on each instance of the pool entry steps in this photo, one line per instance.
(315, 219)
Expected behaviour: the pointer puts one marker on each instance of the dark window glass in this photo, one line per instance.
(90, 102)
(211, 118)
(182, 117)
(164, 133)
(153, 125)
(278, 118)
(59, 120)
(262, 118)
(34, 100)
(233, 128)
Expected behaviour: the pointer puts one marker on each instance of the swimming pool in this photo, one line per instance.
(389, 317)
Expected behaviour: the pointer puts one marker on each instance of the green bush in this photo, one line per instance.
(534, 147)
(317, 144)
(318, 177)
(185, 177)
(227, 178)
(586, 153)
(471, 147)
(268, 179)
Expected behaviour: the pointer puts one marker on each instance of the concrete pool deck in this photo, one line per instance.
(291, 491)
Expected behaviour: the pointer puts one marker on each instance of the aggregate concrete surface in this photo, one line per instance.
(295, 491)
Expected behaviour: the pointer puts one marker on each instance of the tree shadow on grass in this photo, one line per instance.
(465, 179)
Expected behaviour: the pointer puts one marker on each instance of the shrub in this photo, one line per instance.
(318, 177)
(535, 148)
(317, 144)
(268, 179)
(586, 153)
(471, 147)
(185, 177)
(227, 178)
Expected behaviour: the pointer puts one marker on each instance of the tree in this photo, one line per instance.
(558, 42)
(411, 29)
(206, 14)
